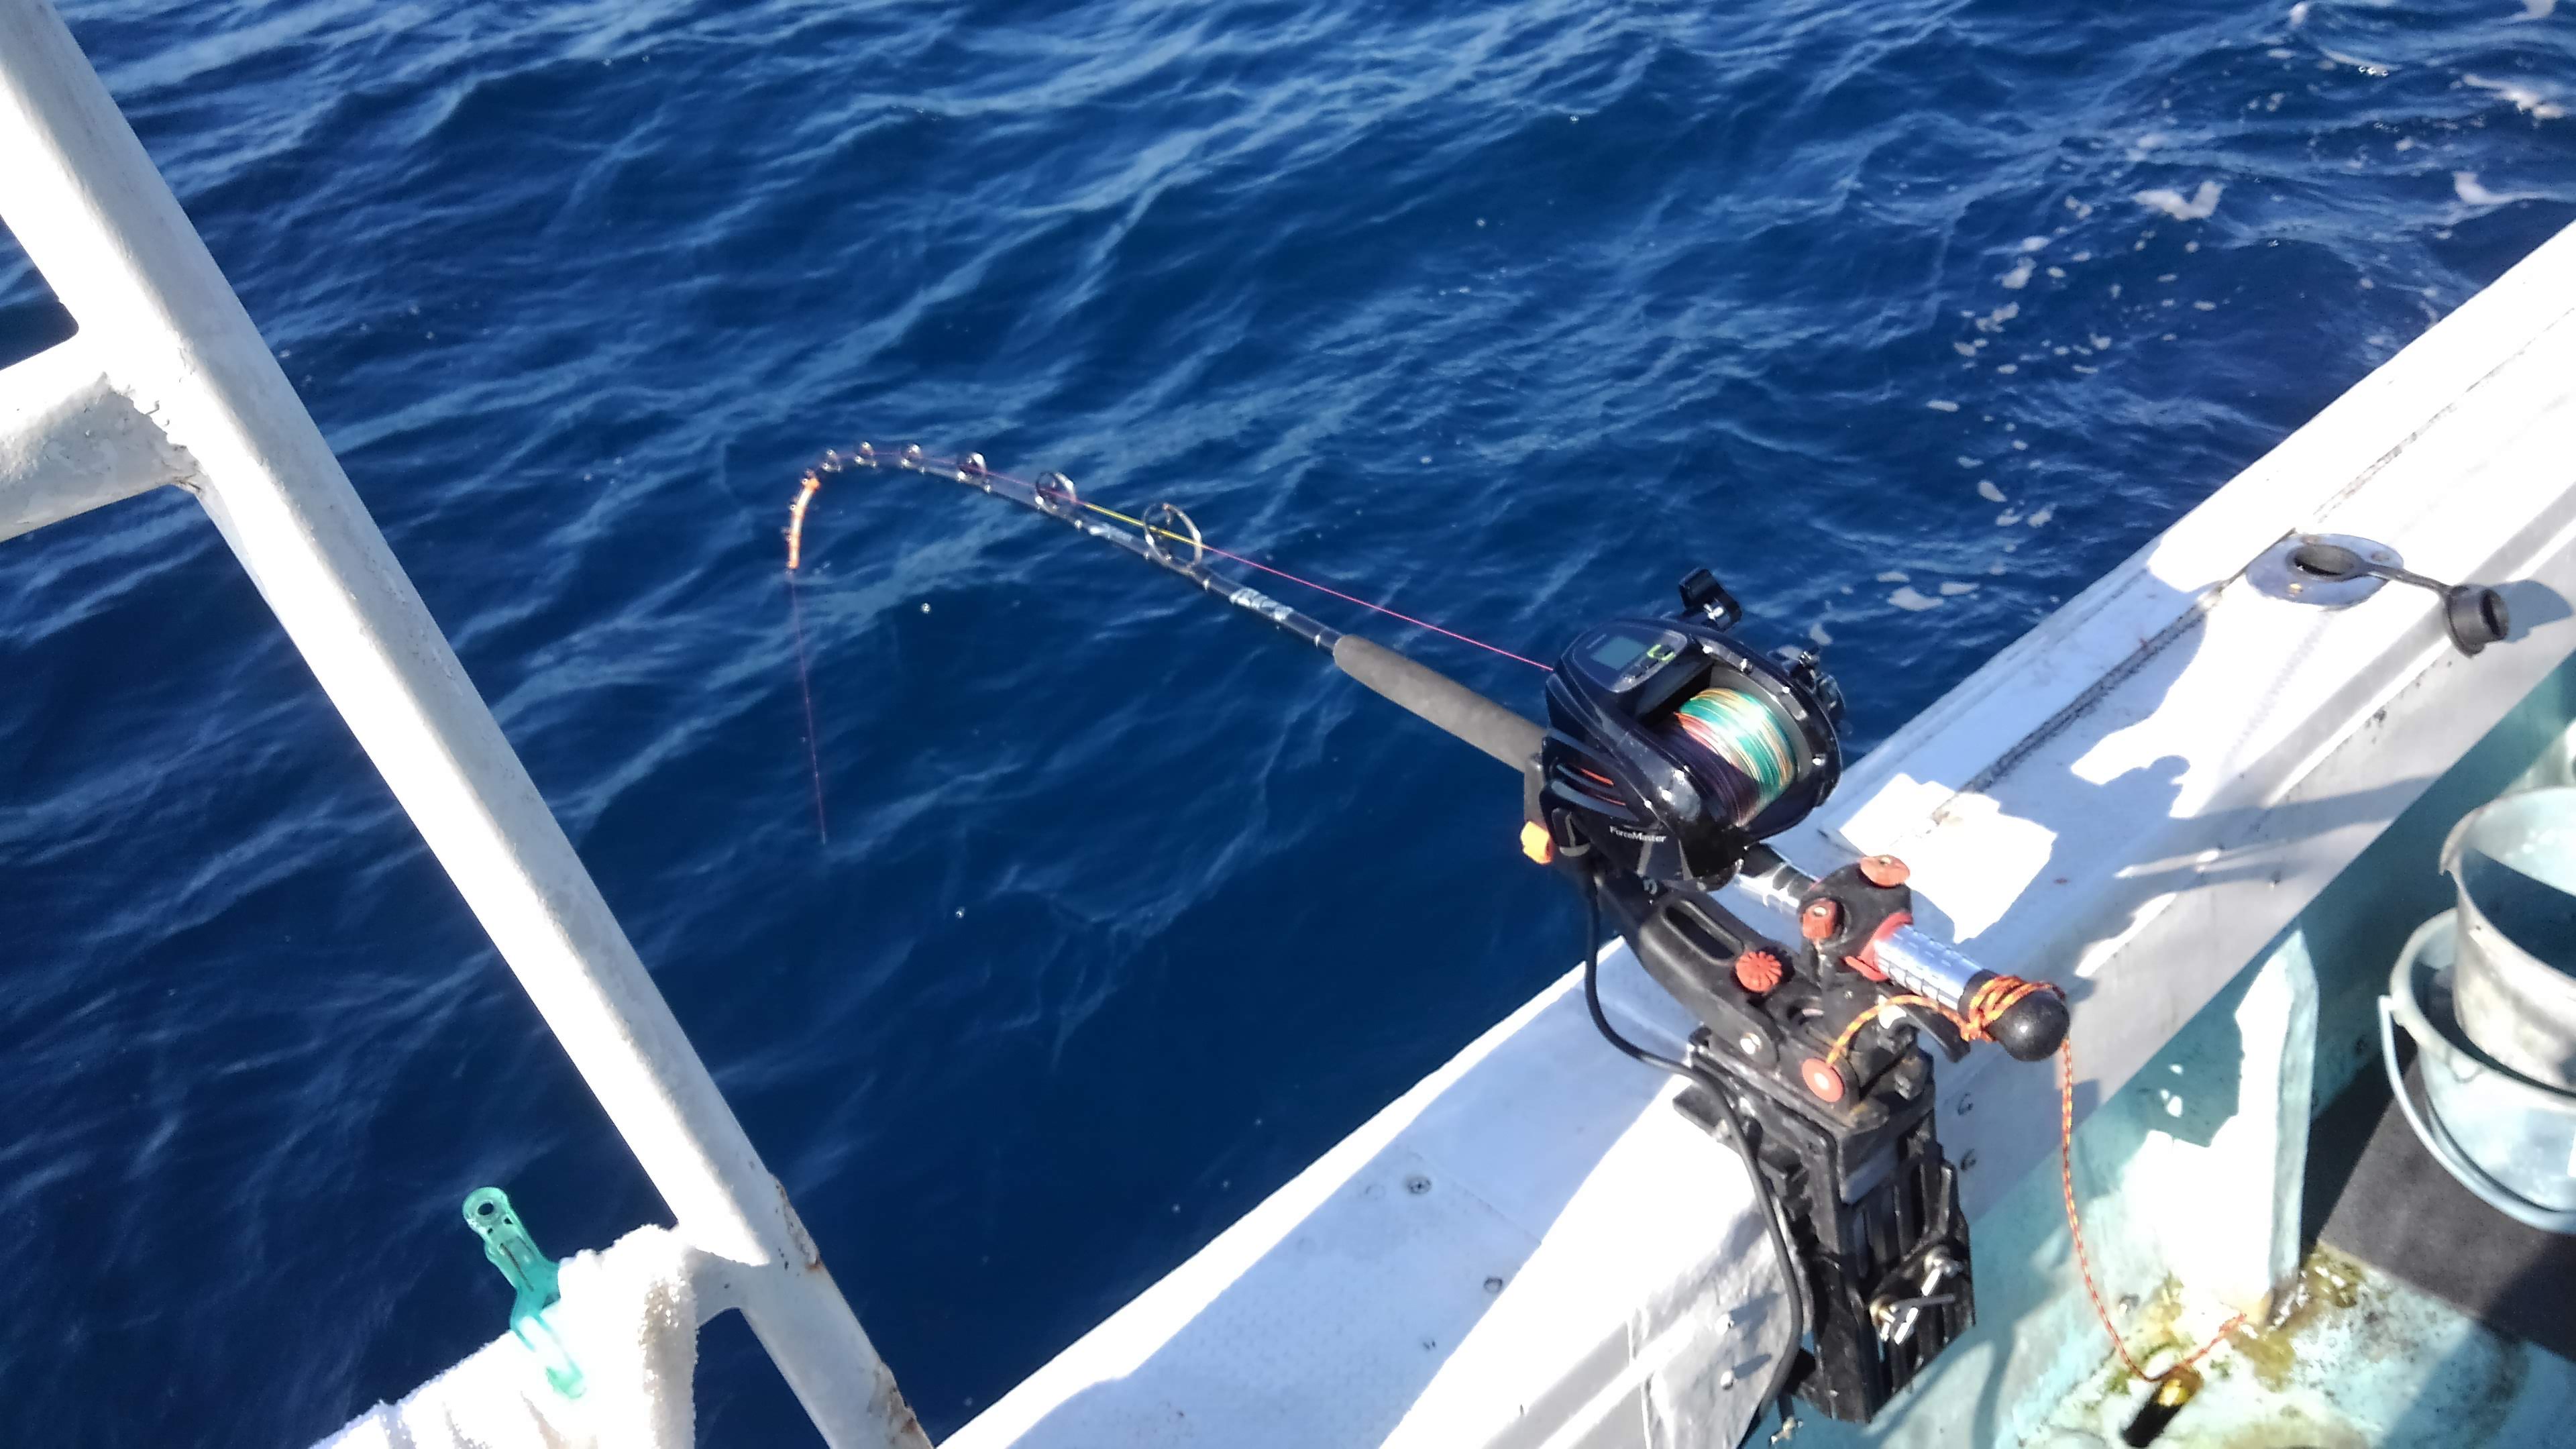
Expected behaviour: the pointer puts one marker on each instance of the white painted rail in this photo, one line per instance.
(169, 382)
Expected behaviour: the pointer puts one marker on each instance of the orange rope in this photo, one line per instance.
(1985, 1008)
(2075, 1228)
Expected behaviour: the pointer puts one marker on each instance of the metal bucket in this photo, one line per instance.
(2510, 1140)
(2514, 864)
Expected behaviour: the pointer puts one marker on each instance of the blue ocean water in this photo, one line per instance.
(1508, 314)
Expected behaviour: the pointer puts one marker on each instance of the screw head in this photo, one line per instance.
(1750, 1044)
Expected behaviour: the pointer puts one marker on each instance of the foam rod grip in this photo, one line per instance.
(1502, 733)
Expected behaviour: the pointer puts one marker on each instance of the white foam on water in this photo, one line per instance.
(1906, 598)
(2019, 447)
(2366, 67)
(2007, 519)
(2539, 10)
(2081, 210)
(2299, 12)
(1994, 321)
(2204, 306)
(2009, 367)
(2198, 207)
(2040, 516)
(1817, 633)
(1967, 349)
(1967, 462)
(1943, 404)
(2057, 272)
(1987, 490)
(1952, 588)
(2280, 53)
(1893, 576)
(2466, 184)
(2034, 243)
(1996, 567)
(2019, 276)
(2538, 103)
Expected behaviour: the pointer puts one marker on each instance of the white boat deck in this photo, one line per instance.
(2133, 801)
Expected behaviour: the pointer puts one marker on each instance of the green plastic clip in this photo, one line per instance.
(532, 1277)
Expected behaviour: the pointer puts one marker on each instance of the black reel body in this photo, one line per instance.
(1674, 748)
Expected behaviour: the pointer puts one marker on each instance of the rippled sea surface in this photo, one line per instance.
(1508, 314)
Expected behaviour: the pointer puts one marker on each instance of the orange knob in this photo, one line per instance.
(1758, 971)
(1536, 843)
(1821, 1079)
(1819, 920)
(1885, 871)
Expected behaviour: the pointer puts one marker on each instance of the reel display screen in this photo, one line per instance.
(1622, 659)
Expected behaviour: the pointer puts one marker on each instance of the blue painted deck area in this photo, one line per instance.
(2368, 1357)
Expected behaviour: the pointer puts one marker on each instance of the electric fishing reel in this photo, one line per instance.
(1674, 747)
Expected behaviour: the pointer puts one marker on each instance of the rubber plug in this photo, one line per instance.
(2477, 616)
(2033, 1028)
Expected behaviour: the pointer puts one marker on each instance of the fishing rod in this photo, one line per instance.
(1163, 534)
(1672, 751)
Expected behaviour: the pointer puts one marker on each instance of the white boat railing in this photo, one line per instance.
(168, 382)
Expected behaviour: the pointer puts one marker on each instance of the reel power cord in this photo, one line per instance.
(1777, 1392)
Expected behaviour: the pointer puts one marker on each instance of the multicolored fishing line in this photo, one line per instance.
(1742, 732)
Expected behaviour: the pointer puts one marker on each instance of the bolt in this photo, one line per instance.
(1750, 1043)
(1417, 1184)
(1967, 1159)
(1493, 1285)
(1966, 1106)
